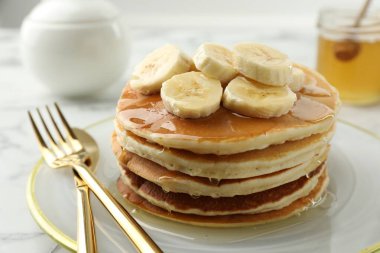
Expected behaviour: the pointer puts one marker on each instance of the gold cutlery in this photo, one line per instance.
(86, 239)
(84, 208)
(70, 152)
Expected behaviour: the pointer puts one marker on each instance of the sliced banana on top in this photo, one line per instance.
(298, 79)
(263, 64)
(191, 95)
(157, 67)
(254, 99)
(215, 61)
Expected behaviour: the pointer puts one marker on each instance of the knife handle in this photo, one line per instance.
(86, 239)
(139, 238)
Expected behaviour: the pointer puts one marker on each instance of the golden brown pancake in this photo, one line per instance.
(267, 200)
(234, 220)
(225, 132)
(241, 165)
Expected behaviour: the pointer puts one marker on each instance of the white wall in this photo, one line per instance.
(162, 12)
(244, 7)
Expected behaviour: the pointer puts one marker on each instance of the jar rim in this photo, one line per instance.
(342, 20)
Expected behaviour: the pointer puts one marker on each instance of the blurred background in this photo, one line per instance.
(196, 12)
(290, 26)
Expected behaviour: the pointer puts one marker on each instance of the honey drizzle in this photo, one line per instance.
(148, 113)
(310, 110)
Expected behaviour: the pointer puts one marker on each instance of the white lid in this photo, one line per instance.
(73, 11)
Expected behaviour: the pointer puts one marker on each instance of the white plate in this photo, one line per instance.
(348, 221)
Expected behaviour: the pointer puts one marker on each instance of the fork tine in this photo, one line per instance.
(37, 132)
(41, 143)
(60, 136)
(61, 139)
(71, 135)
(70, 132)
(53, 144)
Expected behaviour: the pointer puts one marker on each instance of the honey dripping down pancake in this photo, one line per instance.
(230, 133)
(242, 165)
(226, 138)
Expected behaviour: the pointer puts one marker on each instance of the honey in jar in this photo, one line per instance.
(349, 56)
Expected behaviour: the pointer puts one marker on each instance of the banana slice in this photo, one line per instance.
(254, 99)
(215, 61)
(191, 95)
(263, 64)
(298, 79)
(157, 67)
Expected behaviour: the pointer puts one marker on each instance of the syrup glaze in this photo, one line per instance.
(148, 114)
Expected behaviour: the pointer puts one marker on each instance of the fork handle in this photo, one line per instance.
(139, 238)
(86, 238)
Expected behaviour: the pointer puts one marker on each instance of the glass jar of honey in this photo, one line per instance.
(349, 54)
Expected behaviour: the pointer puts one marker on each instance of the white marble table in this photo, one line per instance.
(19, 93)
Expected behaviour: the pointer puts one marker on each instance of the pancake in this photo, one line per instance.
(198, 186)
(242, 165)
(233, 220)
(175, 181)
(271, 199)
(225, 132)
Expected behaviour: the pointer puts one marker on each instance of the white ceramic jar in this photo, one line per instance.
(75, 47)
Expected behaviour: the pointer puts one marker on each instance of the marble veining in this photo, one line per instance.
(19, 92)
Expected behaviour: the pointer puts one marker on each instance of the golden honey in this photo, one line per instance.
(349, 56)
(358, 78)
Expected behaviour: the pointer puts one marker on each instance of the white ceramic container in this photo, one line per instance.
(75, 47)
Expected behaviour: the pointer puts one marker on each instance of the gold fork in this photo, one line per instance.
(86, 239)
(70, 152)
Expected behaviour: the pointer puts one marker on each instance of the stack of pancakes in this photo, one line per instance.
(222, 168)
(225, 169)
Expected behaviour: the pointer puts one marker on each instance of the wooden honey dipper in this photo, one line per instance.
(349, 48)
